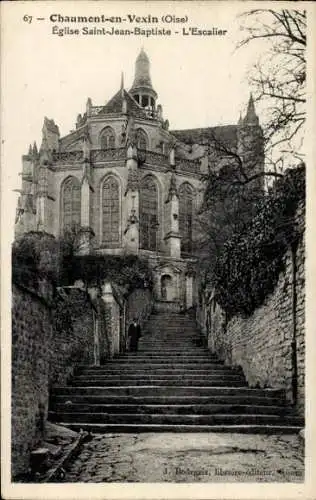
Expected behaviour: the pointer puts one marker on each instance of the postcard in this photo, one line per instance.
(157, 253)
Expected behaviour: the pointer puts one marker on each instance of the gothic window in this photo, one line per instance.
(185, 216)
(71, 202)
(107, 138)
(148, 213)
(142, 140)
(111, 213)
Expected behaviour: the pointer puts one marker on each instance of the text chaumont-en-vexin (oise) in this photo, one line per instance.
(128, 18)
(137, 31)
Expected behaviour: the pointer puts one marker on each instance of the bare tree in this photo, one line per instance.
(279, 76)
(232, 194)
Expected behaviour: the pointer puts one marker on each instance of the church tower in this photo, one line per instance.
(251, 144)
(142, 89)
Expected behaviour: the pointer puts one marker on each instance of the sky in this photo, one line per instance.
(200, 80)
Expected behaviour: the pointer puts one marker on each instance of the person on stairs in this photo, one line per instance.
(134, 334)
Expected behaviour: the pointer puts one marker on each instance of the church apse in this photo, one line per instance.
(129, 181)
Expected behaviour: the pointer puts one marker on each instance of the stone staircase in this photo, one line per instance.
(171, 384)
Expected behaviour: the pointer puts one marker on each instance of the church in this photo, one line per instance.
(132, 185)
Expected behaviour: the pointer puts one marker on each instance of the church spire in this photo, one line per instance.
(142, 89)
(251, 117)
(142, 71)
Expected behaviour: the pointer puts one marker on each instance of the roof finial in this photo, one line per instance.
(122, 81)
(35, 150)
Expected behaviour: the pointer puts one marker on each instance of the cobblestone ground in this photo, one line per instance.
(189, 457)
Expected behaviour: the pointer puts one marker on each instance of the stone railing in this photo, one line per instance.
(66, 157)
(154, 158)
(95, 110)
(186, 165)
(99, 155)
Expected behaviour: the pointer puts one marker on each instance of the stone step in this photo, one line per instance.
(177, 335)
(198, 356)
(160, 327)
(172, 333)
(163, 361)
(159, 374)
(169, 344)
(170, 354)
(173, 351)
(152, 390)
(131, 376)
(160, 362)
(142, 428)
(163, 419)
(174, 382)
(79, 398)
(184, 409)
(184, 351)
(190, 343)
(146, 370)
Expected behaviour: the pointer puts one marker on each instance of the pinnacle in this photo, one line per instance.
(251, 117)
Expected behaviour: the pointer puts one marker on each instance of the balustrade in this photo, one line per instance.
(154, 158)
(66, 157)
(150, 157)
(98, 155)
(184, 164)
(95, 110)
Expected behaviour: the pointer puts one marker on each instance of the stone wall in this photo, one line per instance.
(266, 343)
(73, 334)
(300, 325)
(31, 339)
(51, 333)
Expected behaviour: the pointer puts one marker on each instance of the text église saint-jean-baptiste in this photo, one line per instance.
(130, 25)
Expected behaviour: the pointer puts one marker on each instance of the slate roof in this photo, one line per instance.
(226, 134)
(114, 105)
(73, 136)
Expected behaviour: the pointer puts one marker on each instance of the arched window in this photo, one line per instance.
(107, 138)
(71, 202)
(148, 213)
(142, 140)
(185, 216)
(111, 213)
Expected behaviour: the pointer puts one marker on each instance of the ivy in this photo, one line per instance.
(35, 255)
(38, 254)
(251, 261)
(128, 271)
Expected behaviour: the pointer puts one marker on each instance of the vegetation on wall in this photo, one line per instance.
(128, 271)
(39, 255)
(35, 255)
(250, 262)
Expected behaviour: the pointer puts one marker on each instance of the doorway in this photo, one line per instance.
(166, 287)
